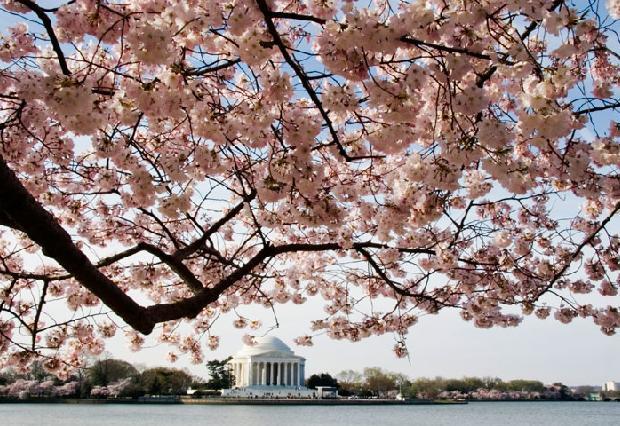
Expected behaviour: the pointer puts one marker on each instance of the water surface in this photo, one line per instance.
(476, 413)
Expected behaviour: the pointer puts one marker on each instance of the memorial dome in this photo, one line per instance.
(265, 344)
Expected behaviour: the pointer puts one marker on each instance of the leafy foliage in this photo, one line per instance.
(165, 381)
(106, 371)
(221, 376)
(322, 379)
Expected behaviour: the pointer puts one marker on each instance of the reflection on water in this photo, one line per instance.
(477, 413)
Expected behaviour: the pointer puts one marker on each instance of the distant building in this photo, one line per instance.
(611, 387)
(268, 369)
(326, 392)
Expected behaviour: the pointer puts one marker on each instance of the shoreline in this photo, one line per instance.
(232, 401)
(265, 402)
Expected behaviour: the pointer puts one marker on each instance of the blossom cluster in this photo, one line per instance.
(22, 388)
(392, 161)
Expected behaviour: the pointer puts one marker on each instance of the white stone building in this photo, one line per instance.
(268, 369)
(611, 386)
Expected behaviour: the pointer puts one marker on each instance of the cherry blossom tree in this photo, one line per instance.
(166, 162)
(112, 390)
(31, 388)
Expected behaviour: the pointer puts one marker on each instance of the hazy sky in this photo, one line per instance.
(444, 345)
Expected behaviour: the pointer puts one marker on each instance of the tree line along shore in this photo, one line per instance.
(118, 379)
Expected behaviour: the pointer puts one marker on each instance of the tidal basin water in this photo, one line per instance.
(476, 413)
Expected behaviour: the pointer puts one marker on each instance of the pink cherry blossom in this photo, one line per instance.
(165, 164)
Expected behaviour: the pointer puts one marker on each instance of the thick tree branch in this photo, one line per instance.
(190, 307)
(20, 207)
(297, 17)
(176, 265)
(40, 226)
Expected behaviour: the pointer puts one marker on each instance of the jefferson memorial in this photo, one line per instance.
(268, 368)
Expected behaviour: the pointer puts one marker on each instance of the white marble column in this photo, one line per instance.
(270, 372)
(295, 375)
(263, 374)
(288, 374)
(282, 375)
(302, 373)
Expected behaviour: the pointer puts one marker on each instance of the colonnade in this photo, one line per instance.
(269, 373)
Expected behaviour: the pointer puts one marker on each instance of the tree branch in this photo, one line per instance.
(197, 244)
(448, 49)
(297, 17)
(262, 5)
(176, 265)
(47, 23)
(577, 252)
(40, 226)
(20, 207)
(207, 70)
(598, 108)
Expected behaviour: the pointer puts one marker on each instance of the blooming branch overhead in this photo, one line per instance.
(163, 161)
